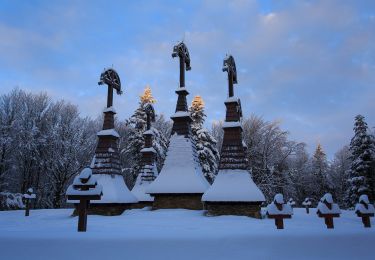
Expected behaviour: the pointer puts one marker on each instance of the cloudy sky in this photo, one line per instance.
(308, 64)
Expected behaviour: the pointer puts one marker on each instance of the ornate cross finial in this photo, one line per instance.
(110, 78)
(150, 113)
(182, 52)
(230, 66)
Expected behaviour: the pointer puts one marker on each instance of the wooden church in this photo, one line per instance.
(180, 184)
(233, 191)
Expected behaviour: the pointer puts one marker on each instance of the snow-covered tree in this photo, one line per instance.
(205, 143)
(319, 169)
(338, 174)
(362, 173)
(135, 142)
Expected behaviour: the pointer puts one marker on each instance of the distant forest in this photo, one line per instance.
(45, 143)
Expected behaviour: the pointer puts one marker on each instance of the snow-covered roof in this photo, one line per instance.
(360, 208)
(108, 132)
(85, 174)
(181, 89)
(233, 185)
(364, 198)
(273, 210)
(327, 197)
(232, 99)
(231, 124)
(109, 109)
(93, 191)
(114, 190)
(306, 202)
(139, 189)
(323, 209)
(181, 172)
(148, 149)
(181, 114)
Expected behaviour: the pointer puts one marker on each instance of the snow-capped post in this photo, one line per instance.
(307, 204)
(84, 189)
(291, 202)
(278, 210)
(328, 210)
(29, 195)
(148, 170)
(233, 191)
(364, 209)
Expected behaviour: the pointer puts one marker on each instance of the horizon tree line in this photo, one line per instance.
(45, 143)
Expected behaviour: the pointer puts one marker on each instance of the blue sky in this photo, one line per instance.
(309, 64)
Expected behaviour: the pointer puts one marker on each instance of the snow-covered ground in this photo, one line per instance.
(181, 234)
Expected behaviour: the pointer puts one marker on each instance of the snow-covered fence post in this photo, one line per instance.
(365, 210)
(307, 204)
(291, 202)
(29, 195)
(328, 210)
(84, 189)
(278, 210)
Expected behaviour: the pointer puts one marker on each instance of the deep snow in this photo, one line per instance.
(181, 234)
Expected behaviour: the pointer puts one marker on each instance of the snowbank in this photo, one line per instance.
(182, 235)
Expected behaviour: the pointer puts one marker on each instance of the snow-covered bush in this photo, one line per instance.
(10, 201)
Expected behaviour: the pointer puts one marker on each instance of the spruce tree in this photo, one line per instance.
(137, 124)
(361, 173)
(319, 169)
(205, 143)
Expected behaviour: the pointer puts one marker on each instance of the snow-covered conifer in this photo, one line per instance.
(205, 143)
(319, 168)
(137, 124)
(362, 172)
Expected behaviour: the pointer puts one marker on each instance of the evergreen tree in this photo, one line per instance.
(132, 150)
(361, 174)
(205, 143)
(319, 168)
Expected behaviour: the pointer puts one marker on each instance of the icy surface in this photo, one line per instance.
(180, 234)
(108, 132)
(114, 190)
(231, 124)
(233, 185)
(181, 173)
